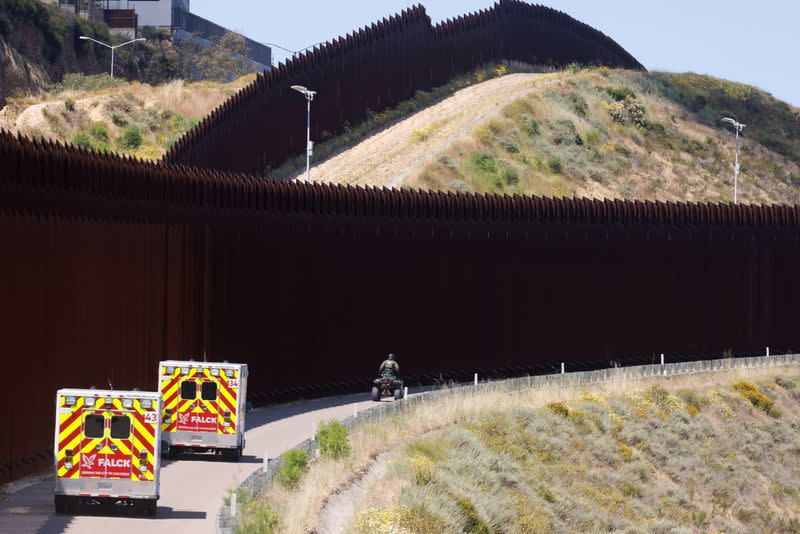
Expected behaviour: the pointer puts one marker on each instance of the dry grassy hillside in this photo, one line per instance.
(593, 132)
(714, 459)
(107, 114)
(703, 453)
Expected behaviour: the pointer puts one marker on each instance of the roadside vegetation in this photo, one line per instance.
(702, 453)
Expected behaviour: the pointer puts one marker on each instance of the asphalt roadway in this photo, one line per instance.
(192, 488)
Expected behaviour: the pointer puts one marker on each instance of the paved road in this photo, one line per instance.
(191, 489)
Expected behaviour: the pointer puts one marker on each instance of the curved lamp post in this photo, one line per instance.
(739, 127)
(113, 48)
(309, 145)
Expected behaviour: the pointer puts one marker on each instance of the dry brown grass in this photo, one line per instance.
(150, 109)
(300, 508)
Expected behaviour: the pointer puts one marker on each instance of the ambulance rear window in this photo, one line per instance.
(93, 426)
(209, 391)
(120, 426)
(188, 390)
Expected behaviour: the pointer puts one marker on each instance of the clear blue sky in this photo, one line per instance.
(753, 42)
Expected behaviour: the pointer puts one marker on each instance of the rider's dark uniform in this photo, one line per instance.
(389, 367)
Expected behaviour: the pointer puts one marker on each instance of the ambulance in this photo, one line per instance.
(204, 407)
(107, 449)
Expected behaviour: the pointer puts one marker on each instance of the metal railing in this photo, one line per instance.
(258, 481)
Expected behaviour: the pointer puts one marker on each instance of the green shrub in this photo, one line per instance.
(578, 104)
(82, 140)
(509, 144)
(593, 137)
(99, 132)
(131, 138)
(534, 128)
(257, 518)
(510, 175)
(119, 120)
(484, 162)
(629, 490)
(628, 112)
(332, 439)
(472, 522)
(554, 164)
(96, 30)
(618, 94)
(293, 465)
(565, 133)
(69, 104)
(76, 81)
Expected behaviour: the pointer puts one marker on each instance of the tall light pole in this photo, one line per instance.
(113, 48)
(738, 127)
(309, 145)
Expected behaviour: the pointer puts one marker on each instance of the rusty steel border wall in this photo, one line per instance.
(56, 170)
(377, 67)
(110, 264)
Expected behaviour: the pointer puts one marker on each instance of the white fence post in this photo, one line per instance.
(355, 410)
(313, 430)
(266, 463)
(662, 358)
(767, 352)
(562, 368)
(405, 392)
(476, 379)
(233, 504)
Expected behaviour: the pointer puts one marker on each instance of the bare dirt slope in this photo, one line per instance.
(391, 156)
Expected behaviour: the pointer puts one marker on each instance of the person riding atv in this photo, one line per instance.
(389, 384)
(389, 366)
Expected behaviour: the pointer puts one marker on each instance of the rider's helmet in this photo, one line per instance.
(391, 356)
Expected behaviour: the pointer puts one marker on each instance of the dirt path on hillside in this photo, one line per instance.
(392, 155)
(338, 513)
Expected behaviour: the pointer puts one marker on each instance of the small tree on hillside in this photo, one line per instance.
(224, 60)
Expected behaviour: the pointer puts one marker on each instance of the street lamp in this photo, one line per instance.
(309, 145)
(113, 48)
(738, 127)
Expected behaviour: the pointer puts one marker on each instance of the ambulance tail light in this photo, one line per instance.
(68, 458)
(142, 461)
(227, 418)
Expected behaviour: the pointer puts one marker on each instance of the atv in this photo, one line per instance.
(387, 386)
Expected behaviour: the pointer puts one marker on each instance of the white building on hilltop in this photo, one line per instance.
(157, 13)
(126, 17)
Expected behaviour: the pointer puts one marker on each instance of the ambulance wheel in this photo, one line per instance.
(62, 504)
(232, 454)
(173, 451)
(149, 507)
(376, 394)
